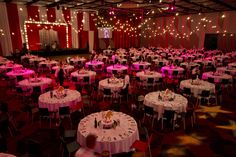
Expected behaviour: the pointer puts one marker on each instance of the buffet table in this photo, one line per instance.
(116, 139)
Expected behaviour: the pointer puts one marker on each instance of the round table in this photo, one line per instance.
(171, 69)
(49, 64)
(231, 71)
(137, 65)
(178, 104)
(159, 61)
(36, 59)
(76, 60)
(94, 64)
(67, 68)
(6, 155)
(232, 65)
(111, 83)
(7, 67)
(84, 73)
(24, 72)
(197, 86)
(205, 62)
(189, 65)
(149, 74)
(53, 104)
(42, 82)
(217, 76)
(118, 68)
(114, 140)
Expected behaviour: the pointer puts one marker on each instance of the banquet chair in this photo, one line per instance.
(187, 92)
(149, 113)
(64, 112)
(115, 72)
(141, 67)
(124, 92)
(142, 146)
(211, 79)
(19, 78)
(107, 93)
(205, 95)
(168, 115)
(175, 74)
(44, 113)
(159, 83)
(69, 148)
(74, 79)
(225, 84)
(150, 83)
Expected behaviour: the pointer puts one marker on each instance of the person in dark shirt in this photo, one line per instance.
(60, 74)
(24, 50)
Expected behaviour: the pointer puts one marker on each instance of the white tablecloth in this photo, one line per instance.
(179, 103)
(24, 73)
(6, 155)
(43, 82)
(37, 59)
(144, 64)
(150, 74)
(190, 65)
(232, 65)
(114, 140)
(111, 85)
(67, 68)
(170, 69)
(94, 63)
(157, 61)
(81, 74)
(217, 76)
(48, 63)
(232, 71)
(198, 87)
(53, 104)
(10, 66)
(118, 68)
(75, 60)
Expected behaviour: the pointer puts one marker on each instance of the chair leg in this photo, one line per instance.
(183, 119)
(162, 121)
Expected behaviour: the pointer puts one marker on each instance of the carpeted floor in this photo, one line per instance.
(213, 135)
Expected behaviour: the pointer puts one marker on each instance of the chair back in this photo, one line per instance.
(205, 93)
(74, 79)
(86, 79)
(19, 78)
(148, 110)
(107, 91)
(175, 73)
(43, 112)
(211, 79)
(36, 89)
(187, 91)
(150, 80)
(64, 110)
(114, 72)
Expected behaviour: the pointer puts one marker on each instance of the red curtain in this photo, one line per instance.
(84, 39)
(94, 28)
(51, 15)
(33, 12)
(79, 20)
(33, 35)
(14, 26)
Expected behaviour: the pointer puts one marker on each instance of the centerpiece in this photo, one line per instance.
(166, 95)
(60, 92)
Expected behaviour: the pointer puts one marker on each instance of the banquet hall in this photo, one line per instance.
(139, 78)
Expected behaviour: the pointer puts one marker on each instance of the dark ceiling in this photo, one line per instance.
(148, 8)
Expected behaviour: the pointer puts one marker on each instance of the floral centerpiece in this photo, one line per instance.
(60, 92)
(166, 95)
(82, 71)
(107, 121)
